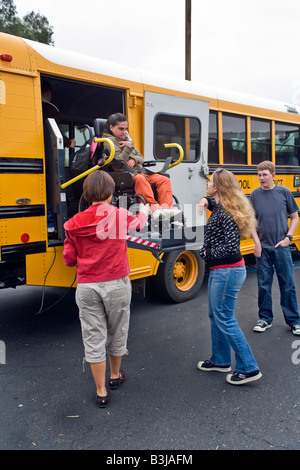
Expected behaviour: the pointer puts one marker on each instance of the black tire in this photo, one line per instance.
(180, 276)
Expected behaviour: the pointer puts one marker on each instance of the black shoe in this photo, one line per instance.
(237, 378)
(102, 402)
(207, 365)
(115, 383)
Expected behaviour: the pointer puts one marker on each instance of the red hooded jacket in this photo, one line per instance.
(96, 242)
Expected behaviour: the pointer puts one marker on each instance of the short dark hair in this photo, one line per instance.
(98, 186)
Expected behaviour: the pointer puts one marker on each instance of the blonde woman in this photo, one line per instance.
(232, 218)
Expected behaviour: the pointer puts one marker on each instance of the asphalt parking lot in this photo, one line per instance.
(166, 404)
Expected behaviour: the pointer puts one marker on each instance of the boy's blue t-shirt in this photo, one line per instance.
(272, 209)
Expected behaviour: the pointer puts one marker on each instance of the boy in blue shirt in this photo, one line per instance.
(273, 204)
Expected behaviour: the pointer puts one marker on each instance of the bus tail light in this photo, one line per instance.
(6, 57)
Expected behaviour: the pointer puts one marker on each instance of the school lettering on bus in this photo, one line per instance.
(245, 184)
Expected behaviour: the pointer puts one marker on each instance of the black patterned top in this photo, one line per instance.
(221, 245)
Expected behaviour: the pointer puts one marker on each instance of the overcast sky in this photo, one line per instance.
(251, 46)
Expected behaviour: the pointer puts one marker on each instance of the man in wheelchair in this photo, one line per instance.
(128, 157)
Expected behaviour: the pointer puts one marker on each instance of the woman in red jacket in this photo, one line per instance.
(96, 243)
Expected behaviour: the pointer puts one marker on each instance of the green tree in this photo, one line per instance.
(37, 28)
(32, 26)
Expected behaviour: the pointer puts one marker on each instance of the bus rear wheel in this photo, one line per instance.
(180, 276)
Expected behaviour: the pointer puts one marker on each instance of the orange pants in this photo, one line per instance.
(142, 186)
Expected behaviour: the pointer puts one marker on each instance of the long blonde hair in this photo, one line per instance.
(234, 201)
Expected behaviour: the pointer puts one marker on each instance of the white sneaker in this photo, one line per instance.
(172, 213)
(262, 325)
(239, 379)
(296, 329)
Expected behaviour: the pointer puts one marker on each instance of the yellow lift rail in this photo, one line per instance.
(112, 154)
(181, 155)
(96, 167)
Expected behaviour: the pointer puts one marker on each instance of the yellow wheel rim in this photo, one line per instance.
(185, 271)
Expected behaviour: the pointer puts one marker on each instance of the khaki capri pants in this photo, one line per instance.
(104, 311)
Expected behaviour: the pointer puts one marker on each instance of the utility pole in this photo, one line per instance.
(188, 14)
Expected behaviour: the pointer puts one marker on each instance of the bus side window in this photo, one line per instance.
(287, 144)
(234, 139)
(213, 141)
(260, 141)
(183, 130)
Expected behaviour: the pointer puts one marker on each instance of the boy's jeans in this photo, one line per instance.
(223, 287)
(281, 259)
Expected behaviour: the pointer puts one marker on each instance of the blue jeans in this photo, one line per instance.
(223, 287)
(281, 259)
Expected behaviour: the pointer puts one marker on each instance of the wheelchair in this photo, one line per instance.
(124, 194)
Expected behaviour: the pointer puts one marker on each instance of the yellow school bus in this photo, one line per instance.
(211, 128)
